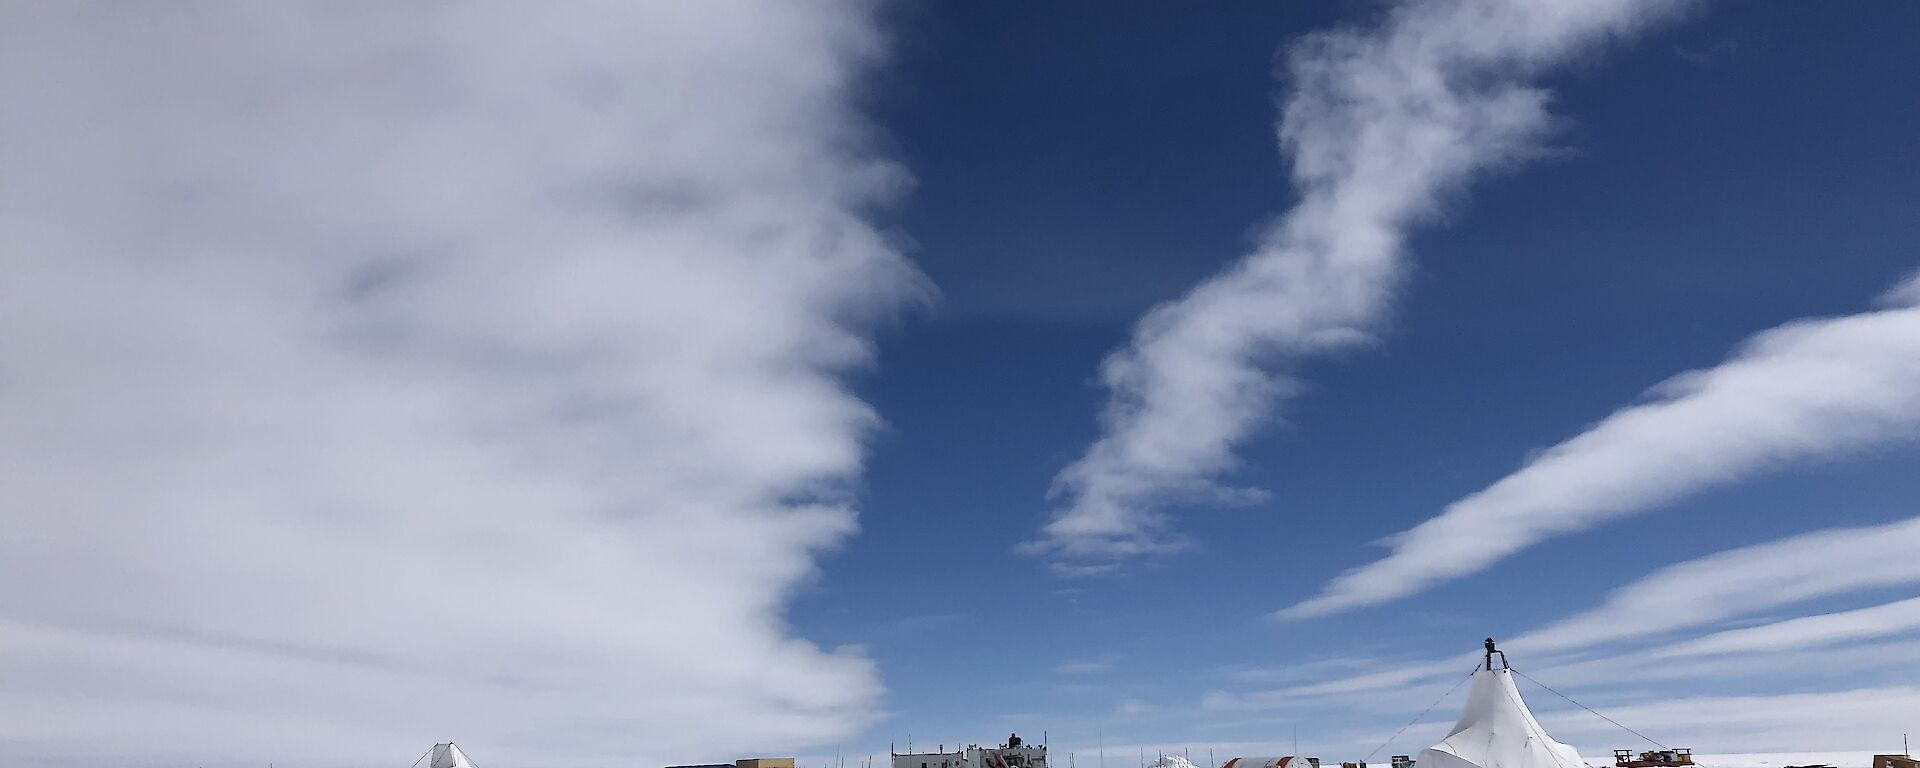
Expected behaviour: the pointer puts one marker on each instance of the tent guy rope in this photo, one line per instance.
(1416, 718)
(1591, 710)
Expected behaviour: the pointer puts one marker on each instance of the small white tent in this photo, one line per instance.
(449, 756)
(1497, 731)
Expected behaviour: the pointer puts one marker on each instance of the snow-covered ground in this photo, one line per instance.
(1778, 759)
(1730, 760)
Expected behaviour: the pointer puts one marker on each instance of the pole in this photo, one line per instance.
(1101, 735)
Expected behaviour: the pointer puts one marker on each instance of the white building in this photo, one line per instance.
(1013, 754)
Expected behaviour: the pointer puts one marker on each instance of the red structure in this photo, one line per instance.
(1658, 759)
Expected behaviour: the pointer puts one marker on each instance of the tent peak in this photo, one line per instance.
(1491, 652)
(448, 755)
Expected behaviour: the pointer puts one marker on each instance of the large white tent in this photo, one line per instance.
(1497, 731)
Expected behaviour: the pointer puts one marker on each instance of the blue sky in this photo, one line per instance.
(1713, 178)
(654, 384)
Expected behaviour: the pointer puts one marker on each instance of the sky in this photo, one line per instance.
(649, 384)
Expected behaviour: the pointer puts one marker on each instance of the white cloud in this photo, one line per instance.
(1819, 631)
(1629, 674)
(1302, 670)
(1390, 677)
(1828, 720)
(1804, 390)
(1743, 581)
(1097, 665)
(1675, 603)
(391, 373)
(1380, 125)
(1906, 294)
(1404, 684)
(1132, 708)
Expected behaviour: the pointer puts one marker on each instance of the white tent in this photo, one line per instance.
(1497, 731)
(449, 756)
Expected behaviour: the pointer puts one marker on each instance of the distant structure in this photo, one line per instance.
(1895, 761)
(1283, 761)
(1015, 753)
(1662, 758)
(751, 762)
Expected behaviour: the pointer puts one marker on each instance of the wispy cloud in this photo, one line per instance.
(1820, 631)
(1743, 581)
(384, 373)
(1097, 665)
(1766, 579)
(1626, 676)
(1710, 55)
(1304, 670)
(1827, 720)
(1379, 125)
(1804, 390)
(1406, 681)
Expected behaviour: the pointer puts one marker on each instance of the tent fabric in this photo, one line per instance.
(1497, 731)
(449, 756)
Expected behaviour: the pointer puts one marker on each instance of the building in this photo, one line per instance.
(1283, 761)
(1015, 753)
(751, 762)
